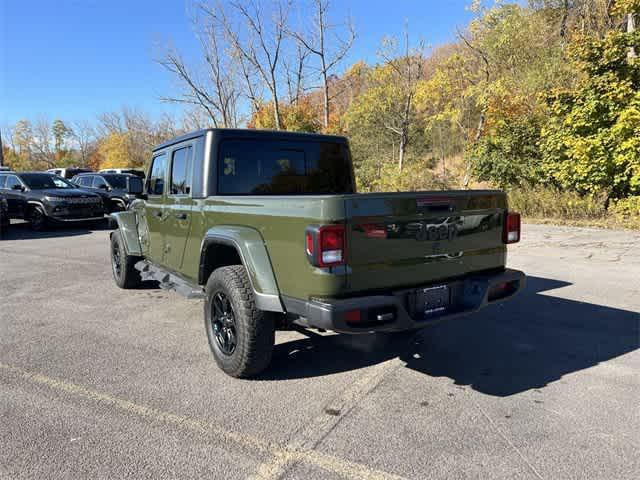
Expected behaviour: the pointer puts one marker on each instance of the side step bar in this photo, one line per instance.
(168, 281)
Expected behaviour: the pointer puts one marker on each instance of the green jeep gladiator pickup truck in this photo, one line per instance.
(268, 229)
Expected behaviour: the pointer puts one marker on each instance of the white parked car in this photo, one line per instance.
(68, 172)
(132, 171)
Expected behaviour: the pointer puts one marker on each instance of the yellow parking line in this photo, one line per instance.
(273, 469)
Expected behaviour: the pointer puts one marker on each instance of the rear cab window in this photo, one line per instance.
(274, 167)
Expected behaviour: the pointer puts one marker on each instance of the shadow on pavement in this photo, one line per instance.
(505, 349)
(22, 230)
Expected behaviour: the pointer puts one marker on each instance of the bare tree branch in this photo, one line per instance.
(316, 43)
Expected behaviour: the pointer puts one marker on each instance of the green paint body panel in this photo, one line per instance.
(385, 247)
(278, 223)
(251, 246)
(127, 224)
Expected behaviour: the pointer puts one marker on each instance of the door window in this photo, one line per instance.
(181, 171)
(2, 180)
(155, 183)
(98, 182)
(85, 181)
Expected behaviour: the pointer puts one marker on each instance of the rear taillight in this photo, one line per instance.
(326, 245)
(511, 231)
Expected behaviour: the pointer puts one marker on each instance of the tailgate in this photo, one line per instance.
(405, 239)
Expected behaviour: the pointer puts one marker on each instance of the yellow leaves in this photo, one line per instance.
(622, 7)
(115, 150)
(302, 116)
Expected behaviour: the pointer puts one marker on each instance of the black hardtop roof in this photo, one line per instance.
(253, 133)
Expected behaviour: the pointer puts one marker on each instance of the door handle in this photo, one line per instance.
(181, 216)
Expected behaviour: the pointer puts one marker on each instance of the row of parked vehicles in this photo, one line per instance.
(66, 195)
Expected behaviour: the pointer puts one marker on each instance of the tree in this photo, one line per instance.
(23, 137)
(317, 43)
(258, 45)
(84, 135)
(509, 156)
(141, 131)
(43, 155)
(217, 91)
(60, 133)
(405, 72)
(115, 152)
(300, 116)
(591, 141)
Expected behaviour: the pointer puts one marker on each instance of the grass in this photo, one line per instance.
(549, 206)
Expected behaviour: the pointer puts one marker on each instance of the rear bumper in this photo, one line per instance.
(397, 311)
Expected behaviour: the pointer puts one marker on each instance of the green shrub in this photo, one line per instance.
(626, 209)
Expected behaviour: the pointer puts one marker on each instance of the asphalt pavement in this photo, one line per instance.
(98, 382)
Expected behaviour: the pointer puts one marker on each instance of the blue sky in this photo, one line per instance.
(73, 59)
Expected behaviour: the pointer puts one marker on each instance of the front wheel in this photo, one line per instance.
(241, 337)
(123, 265)
(37, 218)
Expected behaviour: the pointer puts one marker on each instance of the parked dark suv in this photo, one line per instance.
(41, 198)
(4, 214)
(117, 190)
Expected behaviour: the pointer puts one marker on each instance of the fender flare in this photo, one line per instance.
(31, 203)
(128, 226)
(254, 256)
(38, 203)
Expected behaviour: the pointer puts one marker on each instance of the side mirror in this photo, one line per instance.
(18, 187)
(103, 187)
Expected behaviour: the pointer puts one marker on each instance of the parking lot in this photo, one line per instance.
(97, 382)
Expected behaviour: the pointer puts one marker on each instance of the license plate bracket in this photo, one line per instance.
(433, 301)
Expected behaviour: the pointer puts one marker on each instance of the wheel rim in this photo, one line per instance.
(36, 218)
(223, 323)
(116, 259)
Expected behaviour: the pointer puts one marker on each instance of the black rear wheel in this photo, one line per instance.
(241, 337)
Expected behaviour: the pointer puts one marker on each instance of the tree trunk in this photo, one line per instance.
(631, 26)
(401, 150)
(325, 91)
(276, 114)
(276, 106)
(565, 16)
(476, 139)
(326, 104)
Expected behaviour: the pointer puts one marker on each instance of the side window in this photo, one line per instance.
(98, 182)
(86, 181)
(181, 171)
(2, 180)
(12, 181)
(155, 182)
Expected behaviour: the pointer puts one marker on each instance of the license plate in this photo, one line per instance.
(434, 299)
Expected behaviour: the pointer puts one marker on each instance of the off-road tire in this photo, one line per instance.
(37, 218)
(125, 274)
(254, 329)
